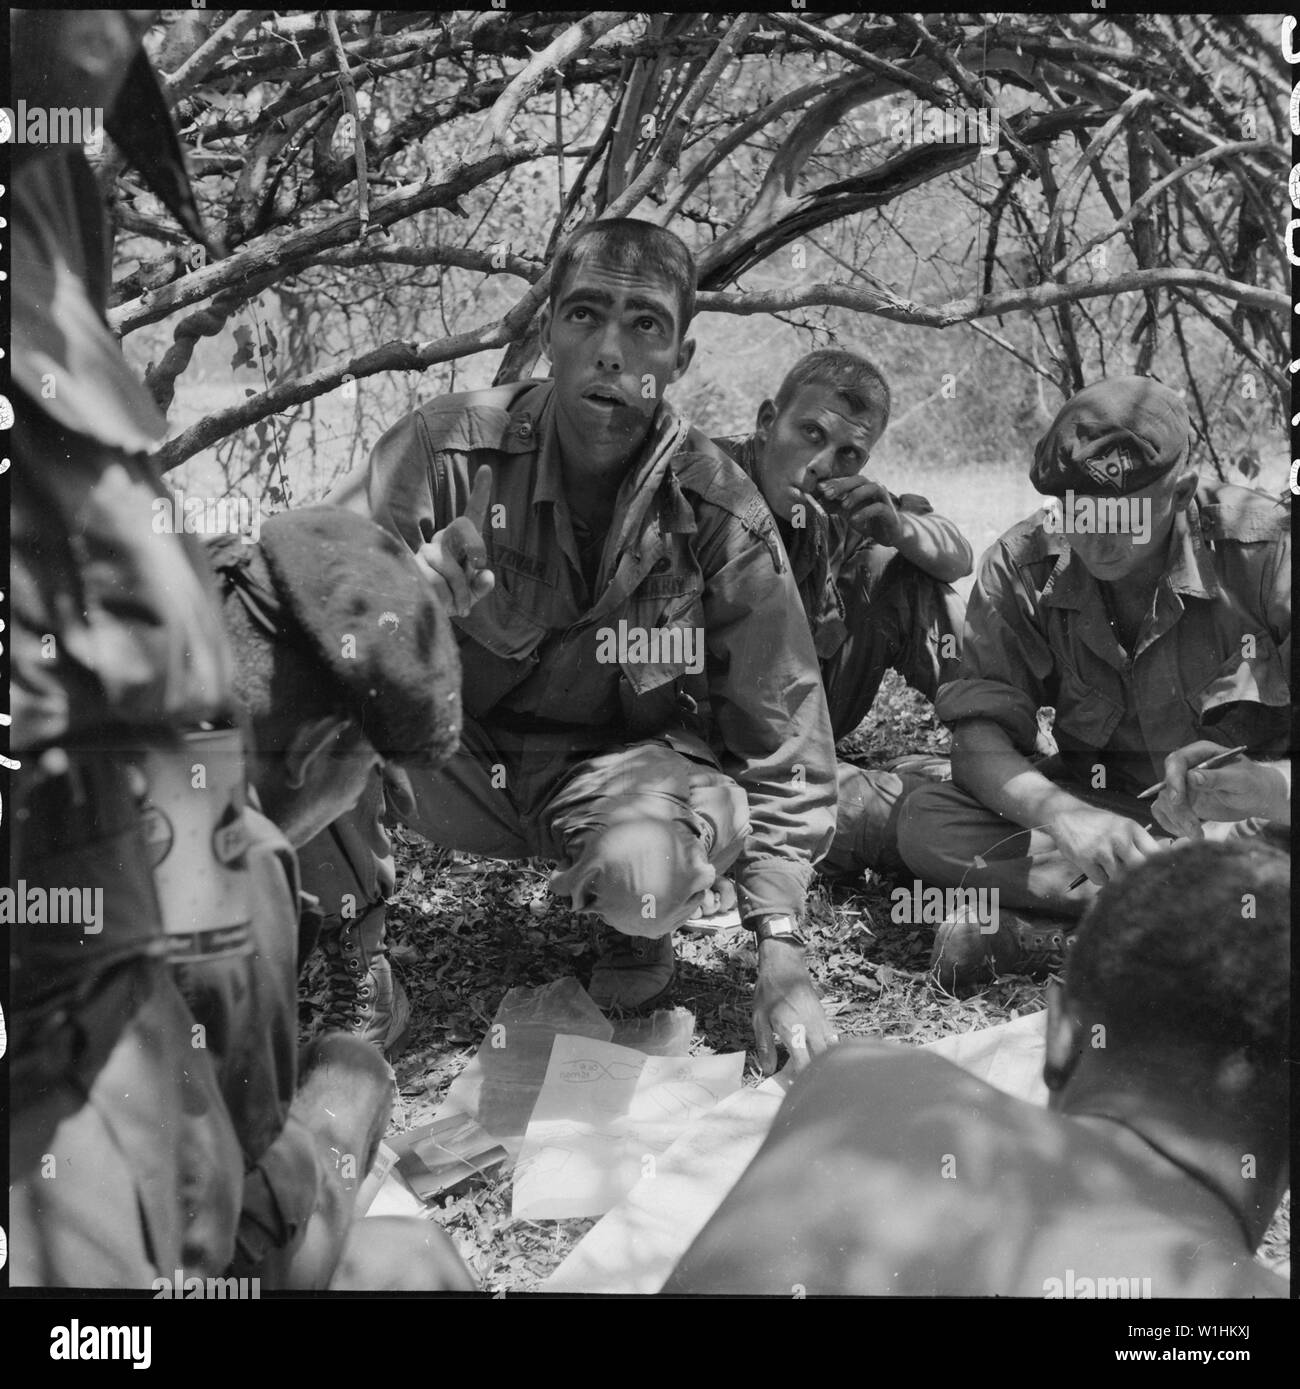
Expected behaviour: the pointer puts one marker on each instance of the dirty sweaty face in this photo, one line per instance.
(615, 345)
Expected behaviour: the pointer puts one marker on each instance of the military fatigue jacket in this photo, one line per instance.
(114, 619)
(827, 548)
(1212, 661)
(692, 554)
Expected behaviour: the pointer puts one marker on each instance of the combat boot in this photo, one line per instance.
(969, 951)
(632, 973)
(363, 997)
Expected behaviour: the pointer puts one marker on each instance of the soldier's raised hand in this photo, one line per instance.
(866, 505)
(455, 558)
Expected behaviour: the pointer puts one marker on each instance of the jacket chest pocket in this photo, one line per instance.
(498, 640)
(1084, 714)
(665, 631)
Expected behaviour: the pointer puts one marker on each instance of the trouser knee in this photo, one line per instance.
(924, 838)
(642, 878)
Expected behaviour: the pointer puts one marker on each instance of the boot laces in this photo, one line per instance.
(349, 988)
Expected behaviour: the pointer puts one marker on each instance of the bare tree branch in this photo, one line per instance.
(972, 89)
(874, 301)
(281, 250)
(573, 41)
(391, 356)
(358, 133)
(210, 52)
(1074, 179)
(891, 72)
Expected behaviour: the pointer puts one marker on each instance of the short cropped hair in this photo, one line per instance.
(859, 382)
(1192, 947)
(629, 244)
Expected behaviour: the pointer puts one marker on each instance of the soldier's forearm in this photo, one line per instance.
(934, 545)
(987, 764)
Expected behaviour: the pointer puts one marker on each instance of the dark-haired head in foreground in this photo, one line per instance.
(1175, 1014)
(1153, 1172)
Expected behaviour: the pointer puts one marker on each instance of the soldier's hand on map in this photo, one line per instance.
(865, 505)
(1236, 791)
(786, 1008)
(455, 558)
(1099, 842)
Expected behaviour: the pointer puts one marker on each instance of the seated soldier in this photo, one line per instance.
(1152, 610)
(888, 1170)
(642, 696)
(342, 658)
(874, 572)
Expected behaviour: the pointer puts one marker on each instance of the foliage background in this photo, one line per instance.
(770, 143)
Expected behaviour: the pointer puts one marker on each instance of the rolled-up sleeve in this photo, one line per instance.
(1006, 658)
(953, 547)
(770, 710)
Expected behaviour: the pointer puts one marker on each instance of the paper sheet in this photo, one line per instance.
(1008, 1056)
(604, 1117)
(637, 1245)
(384, 1192)
(499, 1086)
(666, 1032)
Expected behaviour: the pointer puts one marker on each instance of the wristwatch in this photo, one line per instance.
(777, 928)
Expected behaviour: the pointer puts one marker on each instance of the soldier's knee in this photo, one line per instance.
(920, 832)
(640, 877)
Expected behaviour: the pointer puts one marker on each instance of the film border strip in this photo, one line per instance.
(7, 764)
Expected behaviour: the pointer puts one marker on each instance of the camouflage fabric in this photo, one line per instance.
(124, 1164)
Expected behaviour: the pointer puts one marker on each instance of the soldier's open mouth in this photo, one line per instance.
(604, 397)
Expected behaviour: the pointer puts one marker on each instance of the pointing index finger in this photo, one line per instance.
(480, 498)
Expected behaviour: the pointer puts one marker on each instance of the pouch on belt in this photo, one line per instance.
(196, 837)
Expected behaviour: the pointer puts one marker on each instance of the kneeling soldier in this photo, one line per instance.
(642, 698)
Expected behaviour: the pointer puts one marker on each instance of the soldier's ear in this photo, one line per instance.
(685, 355)
(312, 741)
(766, 419)
(1063, 1039)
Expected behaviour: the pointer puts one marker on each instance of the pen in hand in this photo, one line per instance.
(1219, 759)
